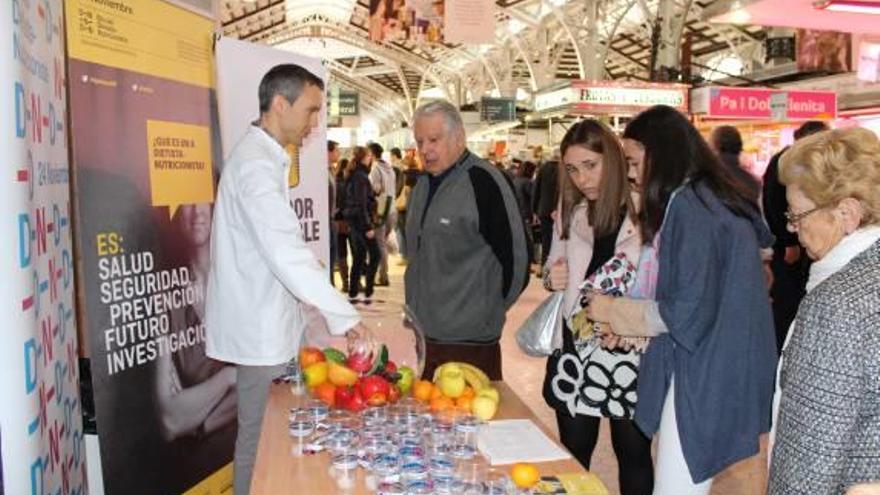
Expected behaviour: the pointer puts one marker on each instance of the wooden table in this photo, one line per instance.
(277, 471)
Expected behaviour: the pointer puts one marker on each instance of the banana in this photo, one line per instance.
(474, 379)
(481, 375)
(474, 376)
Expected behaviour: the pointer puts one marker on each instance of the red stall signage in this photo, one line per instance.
(761, 103)
(607, 97)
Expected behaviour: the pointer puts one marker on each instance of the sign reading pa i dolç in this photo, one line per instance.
(763, 103)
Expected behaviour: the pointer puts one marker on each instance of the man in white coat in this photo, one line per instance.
(262, 271)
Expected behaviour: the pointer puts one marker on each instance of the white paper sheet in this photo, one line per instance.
(517, 440)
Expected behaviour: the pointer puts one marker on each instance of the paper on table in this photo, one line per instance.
(517, 440)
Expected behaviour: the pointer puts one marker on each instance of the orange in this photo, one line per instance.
(422, 390)
(441, 403)
(326, 393)
(468, 392)
(464, 403)
(436, 393)
(524, 475)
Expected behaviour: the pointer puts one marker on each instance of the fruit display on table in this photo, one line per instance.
(354, 381)
(459, 386)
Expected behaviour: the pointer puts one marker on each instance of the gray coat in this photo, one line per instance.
(466, 253)
(828, 436)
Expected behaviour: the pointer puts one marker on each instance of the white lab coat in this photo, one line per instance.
(262, 271)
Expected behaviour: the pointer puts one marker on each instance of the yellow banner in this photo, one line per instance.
(180, 164)
(147, 36)
(219, 483)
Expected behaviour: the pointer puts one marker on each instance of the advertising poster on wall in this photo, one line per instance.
(466, 20)
(144, 143)
(240, 67)
(41, 447)
(419, 21)
(828, 51)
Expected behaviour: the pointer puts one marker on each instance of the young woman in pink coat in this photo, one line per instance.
(595, 241)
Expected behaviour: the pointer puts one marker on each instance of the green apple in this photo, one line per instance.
(406, 380)
(490, 393)
(484, 407)
(452, 382)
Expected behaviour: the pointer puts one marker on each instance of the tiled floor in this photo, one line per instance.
(525, 375)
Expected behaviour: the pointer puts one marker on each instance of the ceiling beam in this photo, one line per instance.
(258, 10)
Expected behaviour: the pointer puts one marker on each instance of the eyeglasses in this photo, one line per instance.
(794, 218)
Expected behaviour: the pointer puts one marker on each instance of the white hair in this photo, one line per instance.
(450, 114)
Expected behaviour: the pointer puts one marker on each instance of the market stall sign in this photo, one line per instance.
(608, 97)
(497, 109)
(555, 99)
(761, 104)
(349, 103)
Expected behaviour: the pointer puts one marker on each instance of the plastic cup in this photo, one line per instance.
(317, 409)
(391, 489)
(469, 476)
(496, 482)
(420, 487)
(300, 426)
(344, 466)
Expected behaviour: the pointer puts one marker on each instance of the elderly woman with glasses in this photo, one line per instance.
(826, 432)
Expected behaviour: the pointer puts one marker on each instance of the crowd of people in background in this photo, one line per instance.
(715, 264)
(662, 249)
(368, 205)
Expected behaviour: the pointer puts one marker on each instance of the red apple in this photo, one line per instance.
(390, 367)
(393, 394)
(356, 402)
(343, 394)
(374, 389)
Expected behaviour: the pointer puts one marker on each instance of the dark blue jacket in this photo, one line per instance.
(721, 346)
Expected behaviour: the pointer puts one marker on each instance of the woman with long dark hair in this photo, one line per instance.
(706, 379)
(586, 382)
(360, 206)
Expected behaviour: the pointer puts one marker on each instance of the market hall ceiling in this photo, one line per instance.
(526, 32)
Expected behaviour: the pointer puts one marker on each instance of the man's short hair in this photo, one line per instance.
(395, 152)
(447, 109)
(287, 80)
(331, 145)
(810, 127)
(375, 149)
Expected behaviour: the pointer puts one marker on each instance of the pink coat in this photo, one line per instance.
(578, 249)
